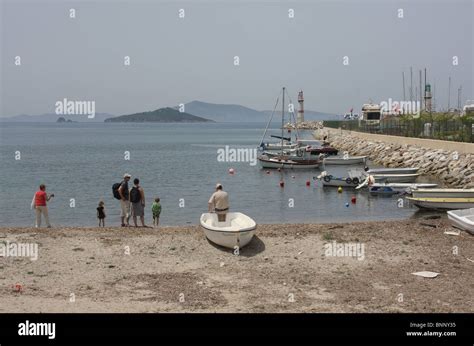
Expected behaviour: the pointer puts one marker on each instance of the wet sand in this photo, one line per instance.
(284, 269)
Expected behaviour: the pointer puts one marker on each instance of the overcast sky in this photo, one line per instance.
(177, 60)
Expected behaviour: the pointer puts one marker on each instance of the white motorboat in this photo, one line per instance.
(376, 171)
(237, 230)
(285, 163)
(345, 160)
(442, 203)
(463, 219)
(443, 193)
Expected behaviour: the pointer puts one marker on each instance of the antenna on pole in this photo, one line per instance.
(449, 94)
(411, 84)
(403, 80)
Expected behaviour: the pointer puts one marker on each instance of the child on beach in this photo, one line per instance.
(101, 213)
(156, 210)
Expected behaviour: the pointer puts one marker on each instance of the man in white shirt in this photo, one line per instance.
(219, 203)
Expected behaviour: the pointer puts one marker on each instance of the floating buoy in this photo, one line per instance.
(282, 183)
(293, 176)
(353, 199)
(308, 183)
(268, 172)
(347, 205)
(231, 171)
(339, 189)
(279, 169)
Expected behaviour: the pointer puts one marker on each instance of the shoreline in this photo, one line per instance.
(284, 269)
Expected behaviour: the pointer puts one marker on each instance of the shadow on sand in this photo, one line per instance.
(253, 248)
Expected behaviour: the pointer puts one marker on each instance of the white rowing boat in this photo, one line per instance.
(345, 160)
(443, 193)
(463, 219)
(442, 203)
(237, 230)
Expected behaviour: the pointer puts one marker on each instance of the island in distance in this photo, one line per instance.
(162, 115)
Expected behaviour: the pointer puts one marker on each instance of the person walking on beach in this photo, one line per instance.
(137, 198)
(39, 203)
(219, 203)
(101, 213)
(124, 200)
(156, 211)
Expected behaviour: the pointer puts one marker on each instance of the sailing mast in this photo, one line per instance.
(282, 119)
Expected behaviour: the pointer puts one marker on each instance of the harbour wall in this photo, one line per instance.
(452, 163)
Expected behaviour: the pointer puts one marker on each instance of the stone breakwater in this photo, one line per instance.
(451, 168)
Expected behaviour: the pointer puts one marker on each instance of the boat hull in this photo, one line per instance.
(462, 219)
(337, 182)
(442, 203)
(238, 230)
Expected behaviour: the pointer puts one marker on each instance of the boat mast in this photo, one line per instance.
(282, 119)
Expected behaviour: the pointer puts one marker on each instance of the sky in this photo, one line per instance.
(176, 60)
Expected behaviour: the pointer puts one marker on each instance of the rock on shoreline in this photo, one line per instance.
(451, 168)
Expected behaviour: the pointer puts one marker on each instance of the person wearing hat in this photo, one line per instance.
(125, 200)
(219, 203)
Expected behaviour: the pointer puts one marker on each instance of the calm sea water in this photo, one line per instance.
(82, 161)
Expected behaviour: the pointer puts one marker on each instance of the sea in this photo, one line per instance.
(179, 163)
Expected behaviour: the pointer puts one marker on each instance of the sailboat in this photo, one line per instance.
(284, 159)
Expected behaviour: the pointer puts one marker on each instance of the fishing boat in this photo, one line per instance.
(410, 170)
(443, 193)
(287, 158)
(353, 179)
(442, 203)
(345, 160)
(237, 230)
(463, 219)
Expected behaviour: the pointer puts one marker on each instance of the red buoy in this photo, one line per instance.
(308, 183)
(353, 199)
(282, 183)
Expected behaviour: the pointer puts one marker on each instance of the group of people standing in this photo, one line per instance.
(132, 204)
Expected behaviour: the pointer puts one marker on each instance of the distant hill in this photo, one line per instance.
(52, 118)
(162, 115)
(237, 113)
(223, 112)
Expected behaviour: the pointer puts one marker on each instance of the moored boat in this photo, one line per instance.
(346, 160)
(443, 193)
(396, 178)
(398, 187)
(352, 180)
(410, 170)
(463, 219)
(286, 163)
(442, 203)
(238, 229)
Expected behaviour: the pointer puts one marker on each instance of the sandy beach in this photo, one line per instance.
(284, 269)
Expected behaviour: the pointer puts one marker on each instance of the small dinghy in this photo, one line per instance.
(463, 219)
(410, 170)
(237, 230)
